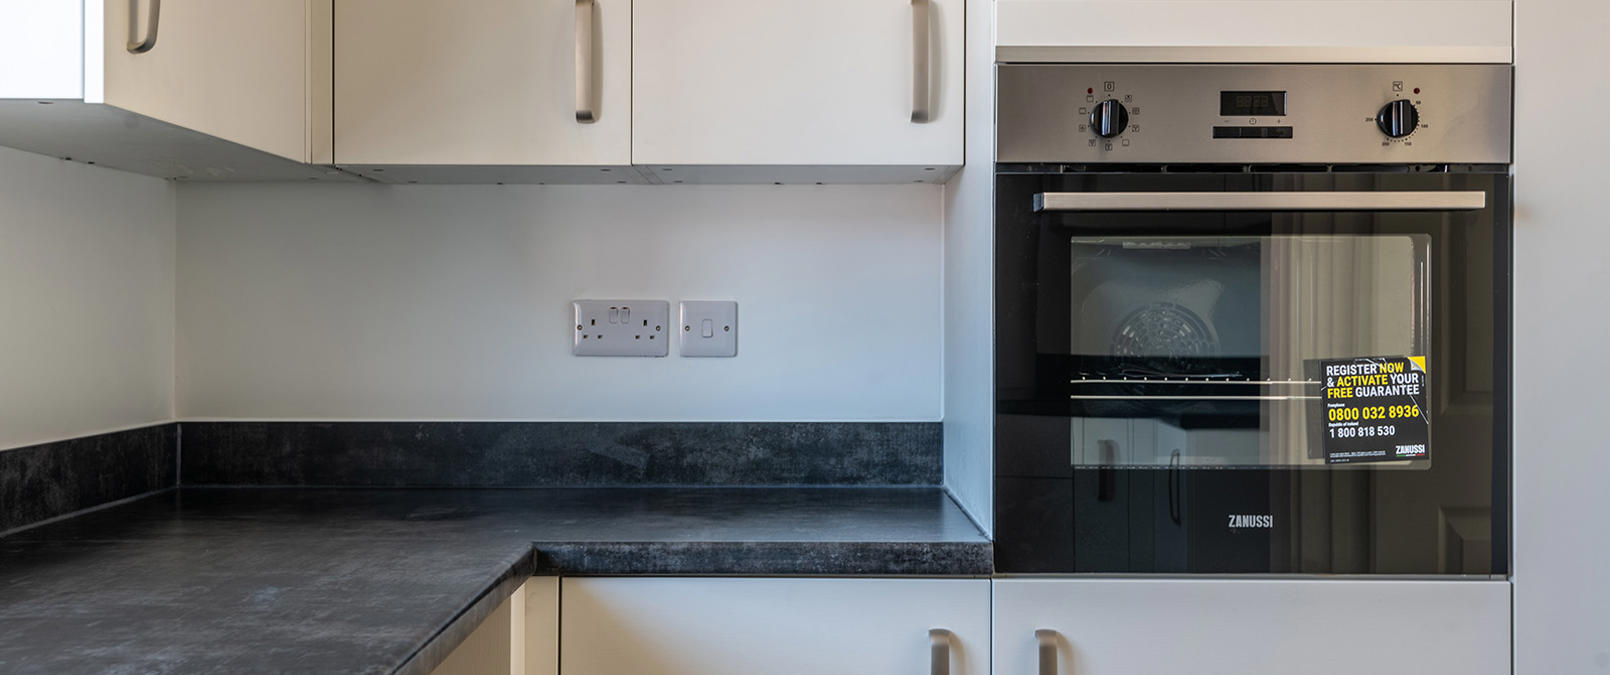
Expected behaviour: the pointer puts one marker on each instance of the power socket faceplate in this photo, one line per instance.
(709, 328)
(621, 328)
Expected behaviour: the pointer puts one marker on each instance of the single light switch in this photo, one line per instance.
(709, 328)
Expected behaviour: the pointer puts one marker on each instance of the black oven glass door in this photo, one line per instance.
(1252, 372)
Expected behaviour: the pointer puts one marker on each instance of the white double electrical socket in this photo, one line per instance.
(709, 328)
(621, 328)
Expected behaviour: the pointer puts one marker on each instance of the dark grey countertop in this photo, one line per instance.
(384, 581)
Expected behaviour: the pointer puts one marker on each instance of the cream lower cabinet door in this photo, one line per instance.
(254, 72)
(520, 637)
(483, 82)
(1251, 627)
(785, 82)
(688, 626)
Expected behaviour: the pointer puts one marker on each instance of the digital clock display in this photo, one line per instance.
(1245, 103)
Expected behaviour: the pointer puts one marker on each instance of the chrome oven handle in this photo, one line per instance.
(1260, 201)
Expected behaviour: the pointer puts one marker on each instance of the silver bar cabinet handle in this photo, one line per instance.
(1401, 200)
(939, 652)
(1048, 650)
(920, 68)
(153, 19)
(585, 111)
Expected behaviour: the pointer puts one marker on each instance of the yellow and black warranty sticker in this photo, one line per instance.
(1375, 409)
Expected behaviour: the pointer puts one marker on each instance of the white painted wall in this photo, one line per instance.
(1562, 448)
(86, 299)
(43, 53)
(453, 302)
(969, 288)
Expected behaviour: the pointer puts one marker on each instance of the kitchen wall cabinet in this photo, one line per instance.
(484, 90)
(1208, 627)
(242, 70)
(686, 626)
(726, 90)
(212, 90)
(520, 637)
(492, 91)
(1251, 31)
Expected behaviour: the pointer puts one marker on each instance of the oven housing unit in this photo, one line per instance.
(1171, 289)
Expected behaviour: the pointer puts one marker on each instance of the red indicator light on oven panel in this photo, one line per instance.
(1090, 90)
(1416, 90)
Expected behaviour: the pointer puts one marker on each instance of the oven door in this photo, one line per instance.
(1252, 372)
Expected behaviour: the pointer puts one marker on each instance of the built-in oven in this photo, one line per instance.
(1252, 319)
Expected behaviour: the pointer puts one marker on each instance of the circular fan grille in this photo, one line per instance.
(1164, 329)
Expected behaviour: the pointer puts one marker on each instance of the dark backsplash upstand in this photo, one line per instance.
(41, 482)
(560, 454)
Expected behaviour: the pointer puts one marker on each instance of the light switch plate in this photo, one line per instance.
(709, 328)
(621, 328)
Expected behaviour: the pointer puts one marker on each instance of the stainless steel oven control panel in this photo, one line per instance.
(1253, 114)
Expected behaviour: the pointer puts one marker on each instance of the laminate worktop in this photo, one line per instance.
(389, 580)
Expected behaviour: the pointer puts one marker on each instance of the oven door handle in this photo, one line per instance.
(1401, 200)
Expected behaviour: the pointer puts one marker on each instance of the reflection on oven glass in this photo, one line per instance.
(1203, 351)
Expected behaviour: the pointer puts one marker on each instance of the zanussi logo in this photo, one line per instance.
(1239, 521)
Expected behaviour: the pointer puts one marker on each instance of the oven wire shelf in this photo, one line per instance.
(1192, 382)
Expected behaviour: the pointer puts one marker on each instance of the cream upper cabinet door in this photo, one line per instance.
(242, 70)
(483, 82)
(791, 82)
(682, 626)
(1254, 31)
(1236, 627)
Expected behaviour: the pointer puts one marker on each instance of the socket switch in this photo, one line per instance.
(621, 328)
(709, 328)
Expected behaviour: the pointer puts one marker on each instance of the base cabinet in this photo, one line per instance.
(520, 637)
(686, 626)
(795, 626)
(1225, 627)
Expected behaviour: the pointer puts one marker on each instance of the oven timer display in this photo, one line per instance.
(1252, 103)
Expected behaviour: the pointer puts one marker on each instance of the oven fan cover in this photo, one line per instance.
(1166, 330)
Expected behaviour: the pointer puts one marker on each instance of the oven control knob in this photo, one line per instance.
(1398, 118)
(1109, 118)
